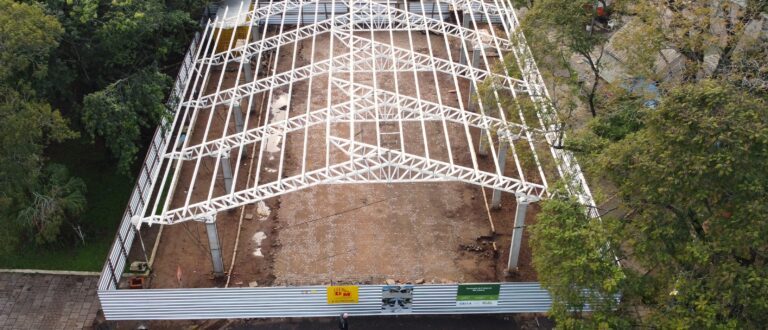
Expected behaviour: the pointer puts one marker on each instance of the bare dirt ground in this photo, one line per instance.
(352, 233)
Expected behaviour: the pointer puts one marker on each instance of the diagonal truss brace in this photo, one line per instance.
(362, 108)
(388, 59)
(412, 108)
(405, 167)
(369, 164)
(384, 18)
(203, 211)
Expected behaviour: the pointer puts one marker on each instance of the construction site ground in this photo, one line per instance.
(352, 233)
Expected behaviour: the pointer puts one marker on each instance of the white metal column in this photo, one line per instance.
(517, 232)
(482, 147)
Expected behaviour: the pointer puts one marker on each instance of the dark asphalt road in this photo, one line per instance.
(443, 322)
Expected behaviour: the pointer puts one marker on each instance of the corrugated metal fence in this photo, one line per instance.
(118, 254)
(306, 301)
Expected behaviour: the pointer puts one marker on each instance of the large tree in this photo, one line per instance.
(27, 123)
(556, 29)
(715, 39)
(27, 36)
(695, 185)
(576, 262)
(120, 112)
(694, 232)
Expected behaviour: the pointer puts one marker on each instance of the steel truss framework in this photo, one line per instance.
(356, 85)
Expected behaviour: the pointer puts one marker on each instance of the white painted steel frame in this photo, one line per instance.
(366, 104)
(367, 162)
(365, 54)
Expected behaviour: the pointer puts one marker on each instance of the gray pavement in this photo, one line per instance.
(43, 301)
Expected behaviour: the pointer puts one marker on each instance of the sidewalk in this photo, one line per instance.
(47, 301)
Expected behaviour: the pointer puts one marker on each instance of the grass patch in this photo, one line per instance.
(107, 197)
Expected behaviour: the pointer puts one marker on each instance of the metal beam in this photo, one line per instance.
(388, 59)
(412, 109)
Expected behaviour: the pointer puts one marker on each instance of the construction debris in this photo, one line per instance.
(262, 210)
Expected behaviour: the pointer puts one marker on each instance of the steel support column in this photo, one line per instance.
(238, 113)
(476, 52)
(517, 232)
(482, 148)
(213, 244)
(465, 24)
(248, 68)
(255, 34)
(502, 156)
(226, 171)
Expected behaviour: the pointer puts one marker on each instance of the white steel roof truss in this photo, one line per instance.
(356, 98)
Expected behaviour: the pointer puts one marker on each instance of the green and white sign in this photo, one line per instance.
(478, 295)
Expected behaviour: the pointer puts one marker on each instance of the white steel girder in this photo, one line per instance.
(376, 16)
(388, 58)
(411, 109)
(404, 167)
(369, 164)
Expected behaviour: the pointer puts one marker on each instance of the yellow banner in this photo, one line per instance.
(343, 294)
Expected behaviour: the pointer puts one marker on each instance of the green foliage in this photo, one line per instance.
(27, 36)
(27, 124)
(119, 112)
(567, 21)
(107, 195)
(58, 199)
(26, 127)
(128, 37)
(54, 53)
(557, 29)
(694, 181)
(115, 49)
(624, 115)
(572, 257)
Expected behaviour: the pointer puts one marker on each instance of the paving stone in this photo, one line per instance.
(69, 302)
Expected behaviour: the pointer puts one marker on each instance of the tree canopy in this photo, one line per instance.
(101, 66)
(694, 182)
(27, 123)
(120, 112)
(686, 178)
